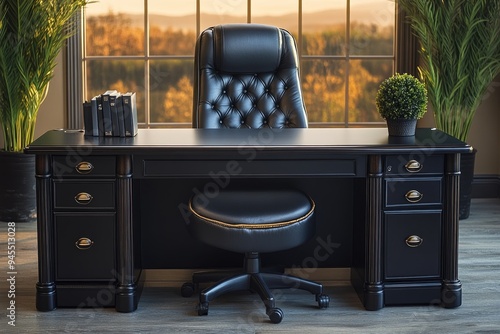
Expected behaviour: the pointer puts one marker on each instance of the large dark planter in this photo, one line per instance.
(17, 187)
(466, 176)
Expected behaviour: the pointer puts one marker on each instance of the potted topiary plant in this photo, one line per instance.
(32, 34)
(459, 58)
(401, 100)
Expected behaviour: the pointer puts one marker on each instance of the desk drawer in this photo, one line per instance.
(84, 195)
(414, 164)
(85, 246)
(413, 192)
(83, 166)
(412, 244)
(346, 167)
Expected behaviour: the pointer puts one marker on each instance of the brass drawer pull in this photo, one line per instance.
(414, 241)
(413, 166)
(84, 243)
(414, 196)
(83, 198)
(84, 167)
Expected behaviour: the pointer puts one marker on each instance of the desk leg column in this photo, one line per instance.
(125, 299)
(45, 287)
(374, 287)
(451, 289)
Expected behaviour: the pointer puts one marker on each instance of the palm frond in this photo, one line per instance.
(32, 33)
(460, 53)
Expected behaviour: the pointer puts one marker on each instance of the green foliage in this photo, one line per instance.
(402, 96)
(32, 33)
(460, 52)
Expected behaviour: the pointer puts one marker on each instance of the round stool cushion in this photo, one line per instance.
(253, 221)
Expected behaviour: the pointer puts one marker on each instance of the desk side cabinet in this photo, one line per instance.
(410, 232)
(81, 266)
(413, 220)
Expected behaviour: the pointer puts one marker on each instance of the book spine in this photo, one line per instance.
(130, 114)
(87, 119)
(126, 114)
(114, 114)
(106, 112)
(135, 125)
(121, 116)
(95, 118)
(100, 116)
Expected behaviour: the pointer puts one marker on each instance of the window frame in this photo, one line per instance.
(405, 61)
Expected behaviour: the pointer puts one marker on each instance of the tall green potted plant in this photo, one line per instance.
(32, 33)
(460, 57)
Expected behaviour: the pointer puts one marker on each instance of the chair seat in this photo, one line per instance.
(253, 221)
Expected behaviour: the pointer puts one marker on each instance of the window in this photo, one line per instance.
(346, 48)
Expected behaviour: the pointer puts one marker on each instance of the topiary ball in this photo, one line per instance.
(401, 96)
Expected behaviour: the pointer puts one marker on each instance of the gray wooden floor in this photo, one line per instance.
(163, 310)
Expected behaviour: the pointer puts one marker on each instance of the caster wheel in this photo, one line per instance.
(275, 315)
(187, 289)
(323, 301)
(203, 308)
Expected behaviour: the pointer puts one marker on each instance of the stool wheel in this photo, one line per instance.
(187, 289)
(203, 308)
(323, 300)
(275, 315)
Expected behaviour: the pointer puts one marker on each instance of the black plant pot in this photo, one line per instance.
(466, 177)
(401, 127)
(17, 184)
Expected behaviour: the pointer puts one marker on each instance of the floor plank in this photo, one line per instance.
(163, 310)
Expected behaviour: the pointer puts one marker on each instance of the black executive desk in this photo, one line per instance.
(109, 207)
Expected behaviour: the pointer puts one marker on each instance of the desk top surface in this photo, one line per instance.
(339, 140)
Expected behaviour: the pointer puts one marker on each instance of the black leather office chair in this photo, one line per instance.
(246, 76)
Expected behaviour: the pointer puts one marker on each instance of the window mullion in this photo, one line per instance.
(347, 66)
(147, 98)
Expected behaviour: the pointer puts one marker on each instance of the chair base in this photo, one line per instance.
(254, 280)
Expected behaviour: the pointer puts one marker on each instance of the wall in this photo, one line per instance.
(485, 134)
(52, 114)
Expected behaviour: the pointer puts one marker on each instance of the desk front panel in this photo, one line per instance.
(260, 164)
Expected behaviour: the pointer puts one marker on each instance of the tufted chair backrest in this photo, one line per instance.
(247, 76)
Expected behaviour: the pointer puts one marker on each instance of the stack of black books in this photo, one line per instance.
(111, 114)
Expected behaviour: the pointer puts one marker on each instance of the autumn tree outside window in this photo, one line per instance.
(346, 50)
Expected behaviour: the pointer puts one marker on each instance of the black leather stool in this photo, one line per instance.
(253, 222)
